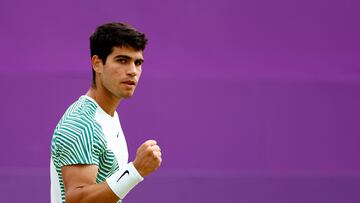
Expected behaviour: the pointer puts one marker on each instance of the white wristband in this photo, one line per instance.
(123, 180)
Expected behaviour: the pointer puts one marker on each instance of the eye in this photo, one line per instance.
(122, 61)
(138, 63)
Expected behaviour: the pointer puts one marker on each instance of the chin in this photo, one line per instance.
(129, 95)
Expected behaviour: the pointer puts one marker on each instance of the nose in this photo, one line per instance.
(132, 71)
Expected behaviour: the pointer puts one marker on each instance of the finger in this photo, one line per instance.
(156, 148)
(157, 154)
(150, 142)
(147, 144)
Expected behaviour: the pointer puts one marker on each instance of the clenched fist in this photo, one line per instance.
(148, 158)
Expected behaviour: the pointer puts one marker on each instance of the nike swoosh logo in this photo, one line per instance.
(125, 172)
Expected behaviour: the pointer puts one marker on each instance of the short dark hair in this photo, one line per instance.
(115, 34)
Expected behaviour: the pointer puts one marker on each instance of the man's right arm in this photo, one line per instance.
(80, 180)
(80, 185)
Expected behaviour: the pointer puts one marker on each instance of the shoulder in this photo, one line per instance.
(79, 119)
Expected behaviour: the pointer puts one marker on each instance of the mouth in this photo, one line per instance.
(129, 82)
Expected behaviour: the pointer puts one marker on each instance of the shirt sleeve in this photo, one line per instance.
(76, 142)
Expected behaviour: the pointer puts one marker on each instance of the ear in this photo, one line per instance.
(97, 64)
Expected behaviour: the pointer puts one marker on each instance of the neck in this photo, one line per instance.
(105, 99)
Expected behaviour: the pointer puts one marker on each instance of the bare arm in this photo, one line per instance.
(80, 185)
(80, 180)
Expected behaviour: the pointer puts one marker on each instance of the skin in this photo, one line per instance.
(116, 79)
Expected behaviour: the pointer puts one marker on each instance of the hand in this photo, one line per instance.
(148, 158)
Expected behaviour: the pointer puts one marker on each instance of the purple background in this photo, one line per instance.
(252, 101)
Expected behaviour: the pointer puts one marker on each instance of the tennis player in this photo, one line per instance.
(89, 155)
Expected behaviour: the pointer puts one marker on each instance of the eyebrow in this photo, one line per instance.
(128, 57)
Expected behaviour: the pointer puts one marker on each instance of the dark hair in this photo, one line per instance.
(111, 35)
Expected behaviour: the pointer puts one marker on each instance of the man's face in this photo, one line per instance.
(120, 74)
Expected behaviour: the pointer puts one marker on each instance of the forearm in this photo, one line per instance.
(114, 188)
(80, 185)
(93, 193)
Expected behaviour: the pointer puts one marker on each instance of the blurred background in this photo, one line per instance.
(252, 101)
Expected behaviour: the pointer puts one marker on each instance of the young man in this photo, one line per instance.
(89, 157)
